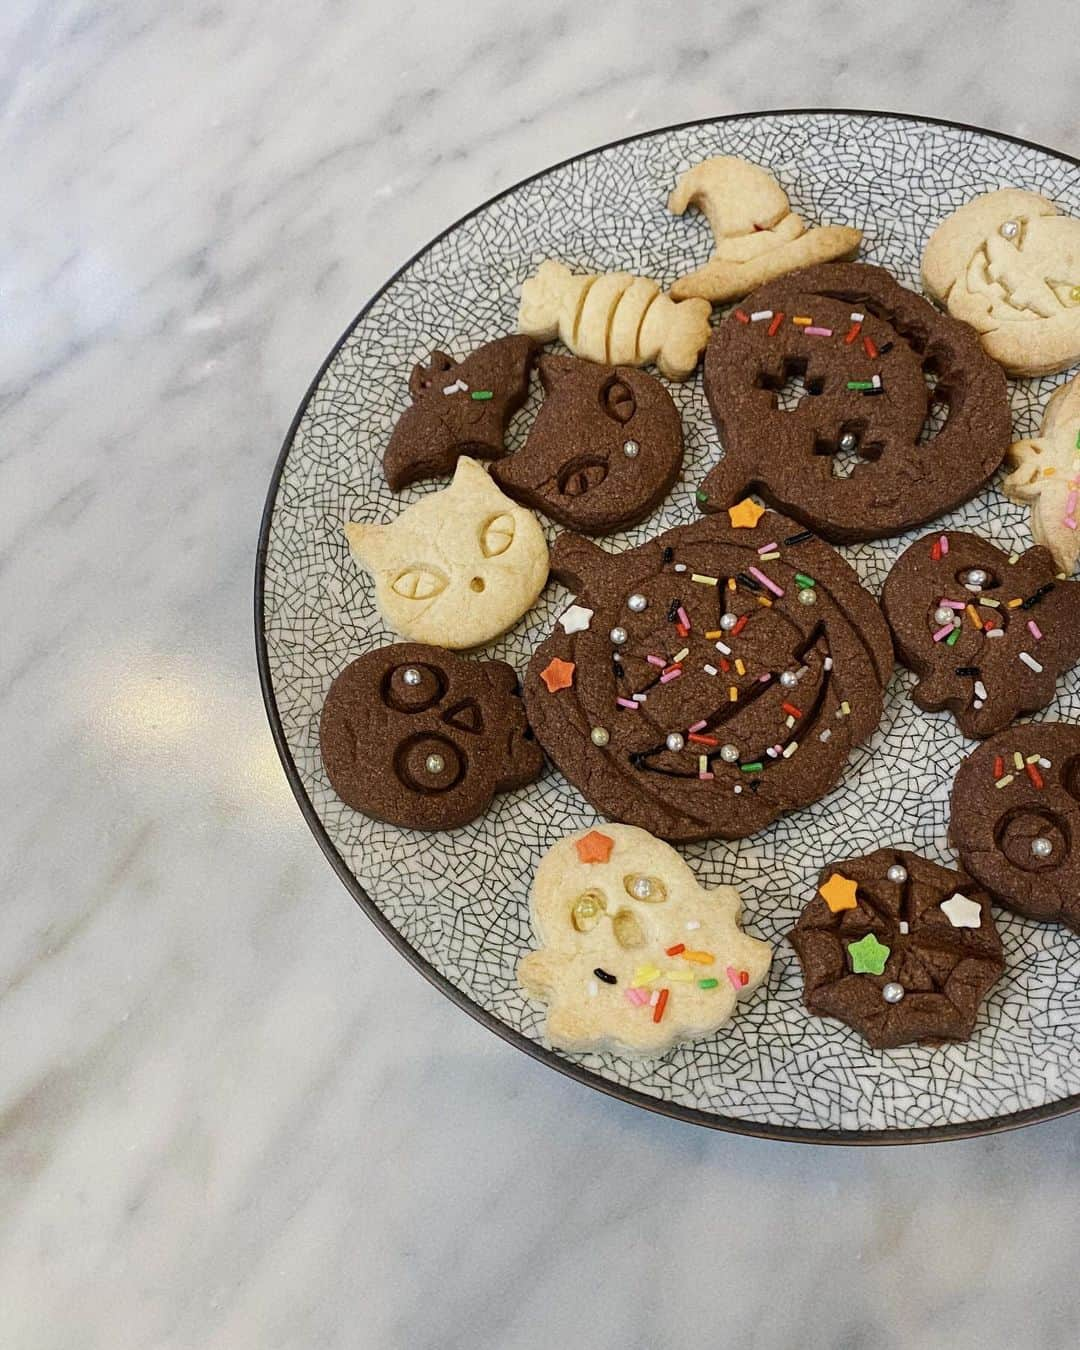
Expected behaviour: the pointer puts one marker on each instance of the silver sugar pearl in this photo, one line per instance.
(789, 679)
(807, 597)
(641, 888)
(630, 449)
(943, 615)
(1009, 229)
(1042, 847)
(975, 577)
(674, 741)
(434, 763)
(892, 992)
(618, 636)
(897, 873)
(729, 753)
(637, 603)
(412, 676)
(599, 736)
(848, 441)
(728, 622)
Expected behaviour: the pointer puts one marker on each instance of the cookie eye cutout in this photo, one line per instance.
(588, 910)
(650, 890)
(497, 535)
(1016, 832)
(429, 764)
(627, 930)
(413, 687)
(617, 400)
(419, 583)
(581, 475)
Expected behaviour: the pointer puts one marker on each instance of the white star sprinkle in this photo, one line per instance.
(576, 619)
(962, 912)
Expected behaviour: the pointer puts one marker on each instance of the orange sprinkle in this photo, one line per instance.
(674, 951)
(999, 766)
(852, 333)
(791, 709)
(701, 958)
(742, 317)
(702, 740)
(774, 327)
(1035, 776)
(871, 349)
(725, 664)
(731, 583)
(764, 600)
(973, 615)
(743, 621)
(661, 1004)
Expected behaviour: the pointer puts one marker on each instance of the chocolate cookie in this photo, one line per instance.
(987, 633)
(605, 448)
(712, 678)
(899, 948)
(459, 408)
(818, 386)
(1016, 820)
(421, 738)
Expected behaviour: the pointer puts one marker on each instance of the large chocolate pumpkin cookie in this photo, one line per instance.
(710, 679)
(818, 384)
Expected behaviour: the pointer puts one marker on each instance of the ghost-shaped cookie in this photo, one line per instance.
(1008, 263)
(424, 739)
(458, 567)
(1016, 820)
(1046, 475)
(758, 237)
(634, 956)
(986, 633)
(604, 451)
(458, 408)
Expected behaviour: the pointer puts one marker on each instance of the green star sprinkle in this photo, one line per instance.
(701, 496)
(868, 956)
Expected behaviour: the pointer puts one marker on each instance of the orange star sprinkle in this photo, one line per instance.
(558, 674)
(839, 893)
(745, 514)
(594, 847)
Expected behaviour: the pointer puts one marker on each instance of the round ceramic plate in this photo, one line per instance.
(456, 903)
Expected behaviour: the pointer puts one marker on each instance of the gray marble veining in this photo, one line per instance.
(230, 1115)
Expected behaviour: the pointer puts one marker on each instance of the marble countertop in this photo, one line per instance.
(230, 1114)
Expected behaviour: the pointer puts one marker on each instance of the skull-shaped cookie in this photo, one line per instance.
(421, 738)
(987, 633)
(458, 567)
(1008, 263)
(604, 450)
(634, 955)
(1016, 819)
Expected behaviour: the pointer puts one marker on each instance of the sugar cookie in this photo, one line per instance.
(1046, 475)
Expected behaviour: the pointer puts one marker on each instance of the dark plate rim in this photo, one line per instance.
(730, 1124)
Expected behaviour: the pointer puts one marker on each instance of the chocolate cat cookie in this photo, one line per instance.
(604, 451)
(899, 948)
(987, 633)
(458, 408)
(1016, 820)
(710, 679)
(818, 386)
(420, 738)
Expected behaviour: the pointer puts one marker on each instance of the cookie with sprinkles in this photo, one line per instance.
(633, 955)
(900, 948)
(725, 673)
(604, 451)
(1016, 820)
(819, 384)
(458, 408)
(987, 633)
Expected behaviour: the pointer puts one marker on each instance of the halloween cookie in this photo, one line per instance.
(634, 956)
(458, 567)
(818, 386)
(987, 633)
(1046, 476)
(1016, 820)
(604, 451)
(710, 679)
(615, 318)
(899, 948)
(458, 408)
(421, 738)
(758, 237)
(1008, 263)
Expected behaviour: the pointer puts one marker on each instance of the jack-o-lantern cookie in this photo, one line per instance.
(818, 384)
(710, 679)
(987, 633)
(458, 567)
(1016, 820)
(1008, 263)
(458, 408)
(1046, 475)
(901, 949)
(604, 450)
(421, 738)
(634, 955)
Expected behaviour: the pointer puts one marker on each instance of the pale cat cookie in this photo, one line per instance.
(614, 318)
(1046, 476)
(758, 236)
(634, 957)
(1008, 263)
(458, 567)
